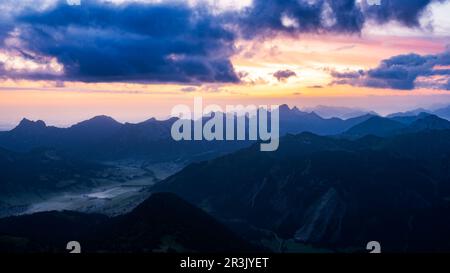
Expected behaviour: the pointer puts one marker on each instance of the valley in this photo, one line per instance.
(362, 179)
(117, 190)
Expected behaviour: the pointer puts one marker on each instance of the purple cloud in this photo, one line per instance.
(283, 75)
(403, 72)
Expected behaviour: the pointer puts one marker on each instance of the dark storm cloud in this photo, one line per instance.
(173, 42)
(101, 42)
(407, 12)
(283, 75)
(342, 16)
(5, 28)
(267, 17)
(403, 72)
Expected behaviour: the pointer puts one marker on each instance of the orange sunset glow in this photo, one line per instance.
(311, 56)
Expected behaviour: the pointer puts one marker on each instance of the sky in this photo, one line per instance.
(63, 63)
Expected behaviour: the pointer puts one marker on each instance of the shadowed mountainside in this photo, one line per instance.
(162, 223)
(332, 193)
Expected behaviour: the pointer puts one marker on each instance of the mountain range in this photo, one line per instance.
(331, 193)
(333, 185)
(338, 112)
(379, 126)
(103, 138)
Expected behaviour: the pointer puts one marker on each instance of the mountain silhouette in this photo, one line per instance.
(29, 126)
(382, 127)
(294, 121)
(410, 113)
(377, 126)
(405, 119)
(339, 112)
(103, 138)
(443, 112)
(429, 122)
(330, 192)
(98, 127)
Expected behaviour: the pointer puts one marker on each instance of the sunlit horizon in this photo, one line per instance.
(299, 69)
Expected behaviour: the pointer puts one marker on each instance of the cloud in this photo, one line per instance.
(407, 12)
(347, 74)
(188, 89)
(403, 72)
(293, 16)
(265, 18)
(59, 84)
(283, 75)
(137, 42)
(168, 41)
(4, 29)
(342, 48)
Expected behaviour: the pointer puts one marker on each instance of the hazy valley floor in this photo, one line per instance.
(111, 196)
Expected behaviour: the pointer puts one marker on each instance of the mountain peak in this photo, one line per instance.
(102, 118)
(376, 125)
(98, 121)
(286, 111)
(26, 124)
(430, 122)
(150, 120)
(284, 107)
(414, 112)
